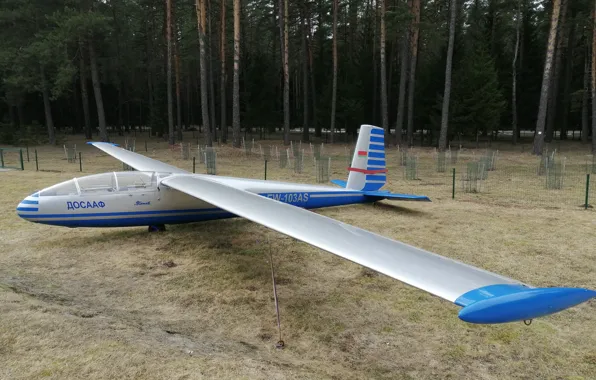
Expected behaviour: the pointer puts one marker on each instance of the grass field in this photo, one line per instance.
(196, 302)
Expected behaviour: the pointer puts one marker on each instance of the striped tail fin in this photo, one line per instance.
(368, 171)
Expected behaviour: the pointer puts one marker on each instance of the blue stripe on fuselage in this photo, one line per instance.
(377, 139)
(131, 213)
(377, 132)
(138, 221)
(143, 218)
(27, 209)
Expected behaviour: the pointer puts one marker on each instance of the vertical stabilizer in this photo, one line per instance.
(368, 171)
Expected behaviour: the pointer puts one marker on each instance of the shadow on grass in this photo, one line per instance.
(400, 209)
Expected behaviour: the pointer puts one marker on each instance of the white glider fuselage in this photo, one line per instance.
(137, 199)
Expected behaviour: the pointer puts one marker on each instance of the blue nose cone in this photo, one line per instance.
(29, 206)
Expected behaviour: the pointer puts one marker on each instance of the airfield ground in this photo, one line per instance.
(196, 302)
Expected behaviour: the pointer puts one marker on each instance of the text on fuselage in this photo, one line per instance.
(77, 205)
(289, 197)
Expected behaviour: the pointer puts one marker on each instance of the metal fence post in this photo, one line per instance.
(1, 158)
(21, 158)
(80, 162)
(587, 191)
(453, 185)
(28, 153)
(194, 161)
(36, 162)
(265, 170)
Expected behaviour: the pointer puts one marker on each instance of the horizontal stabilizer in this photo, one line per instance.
(396, 197)
(339, 182)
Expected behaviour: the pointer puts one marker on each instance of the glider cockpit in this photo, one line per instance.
(105, 183)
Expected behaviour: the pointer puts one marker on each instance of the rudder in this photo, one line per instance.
(368, 171)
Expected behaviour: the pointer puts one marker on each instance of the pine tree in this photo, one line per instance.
(477, 102)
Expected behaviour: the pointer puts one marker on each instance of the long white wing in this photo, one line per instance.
(446, 278)
(135, 160)
(486, 297)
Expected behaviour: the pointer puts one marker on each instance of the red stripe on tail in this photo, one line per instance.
(368, 171)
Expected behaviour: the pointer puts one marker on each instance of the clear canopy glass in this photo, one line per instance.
(104, 183)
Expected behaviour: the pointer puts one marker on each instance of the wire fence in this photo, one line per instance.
(553, 180)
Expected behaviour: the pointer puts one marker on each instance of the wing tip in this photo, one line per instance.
(510, 302)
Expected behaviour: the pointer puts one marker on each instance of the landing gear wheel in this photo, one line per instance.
(157, 228)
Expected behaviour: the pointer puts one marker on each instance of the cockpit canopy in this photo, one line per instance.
(105, 183)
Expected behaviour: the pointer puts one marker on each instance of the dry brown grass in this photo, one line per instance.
(103, 304)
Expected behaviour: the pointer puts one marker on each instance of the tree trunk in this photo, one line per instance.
(210, 76)
(117, 37)
(374, 65)
(334, 88)
(546, 76)
(305, 76)
(447, 93)
(47, 108)
(222, 78)
(178, 97)
(177, 79)
(84, 94)
(585, 96)
(567, 83)
(551, 110)
(413, 58)
(383, 33)
(188, 100)
(20, 112)
(514, 76)
(101, 117)
(403, 79)
(236, 90)
(11, 117)
(286, 77)
(313, 92)
(593, 79)
(201, 17)
(280, 9)
(171, 137)
(150, 97)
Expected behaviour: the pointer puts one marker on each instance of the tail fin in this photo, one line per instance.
(368, 171)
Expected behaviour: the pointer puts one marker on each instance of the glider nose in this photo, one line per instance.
(29, 206)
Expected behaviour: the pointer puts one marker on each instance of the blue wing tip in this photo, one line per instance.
(509, 303)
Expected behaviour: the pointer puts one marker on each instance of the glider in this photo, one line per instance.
(158, 194)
